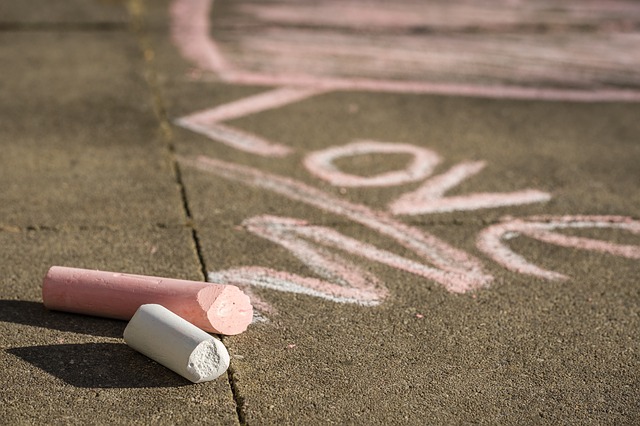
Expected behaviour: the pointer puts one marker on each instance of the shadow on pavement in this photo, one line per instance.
(99, 365)
(35, 314)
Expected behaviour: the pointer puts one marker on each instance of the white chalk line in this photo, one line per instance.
(267, 278)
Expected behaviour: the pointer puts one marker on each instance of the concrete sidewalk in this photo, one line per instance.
(496, 282)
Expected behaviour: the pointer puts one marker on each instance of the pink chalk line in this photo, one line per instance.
(429, 198)
(207, 122)
(344, 281)
(456, 270)
(398, 15)
(236, 138)
(320, 164)
(450, 89)
(490, 240)
(289, 233)
(190, 32)
(263, 101)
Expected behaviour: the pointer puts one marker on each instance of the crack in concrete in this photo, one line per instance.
(17, 229)
(136, 11)
(62, 26)
(237, 398)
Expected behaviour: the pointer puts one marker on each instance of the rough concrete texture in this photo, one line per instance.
(89, 182)
(75, 14)
(99, 175)
(81, 144)
(74, 369)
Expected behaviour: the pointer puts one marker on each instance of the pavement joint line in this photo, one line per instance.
(136, 11)
(17, 229)
(136, 8)
(237, 398)
(62, 26)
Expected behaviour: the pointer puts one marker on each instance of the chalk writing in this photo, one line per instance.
(345, 282)
(320, 163)
(491, 240)
(272, 58)
(208, 122)
(456, 270)
(429, 198)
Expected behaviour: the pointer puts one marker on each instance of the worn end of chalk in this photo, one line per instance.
(209, 360)
(228, 311)
(177, 344)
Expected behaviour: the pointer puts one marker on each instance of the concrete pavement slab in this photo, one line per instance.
(33, 14)
(75, 369)
(493, 281)
(80, 142)
(353, 336)
(521, 351)
(87, 182)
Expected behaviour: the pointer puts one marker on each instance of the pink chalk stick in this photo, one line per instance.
(217, 308)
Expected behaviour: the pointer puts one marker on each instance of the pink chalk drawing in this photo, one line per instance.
(429, 198)
(491, 240)
(331, 44)
(457, 271)
(208, 122)
(320, 164)
(305, 63)
(345, 282)
(306, 49)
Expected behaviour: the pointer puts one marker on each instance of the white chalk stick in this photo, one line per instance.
(177, 344)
